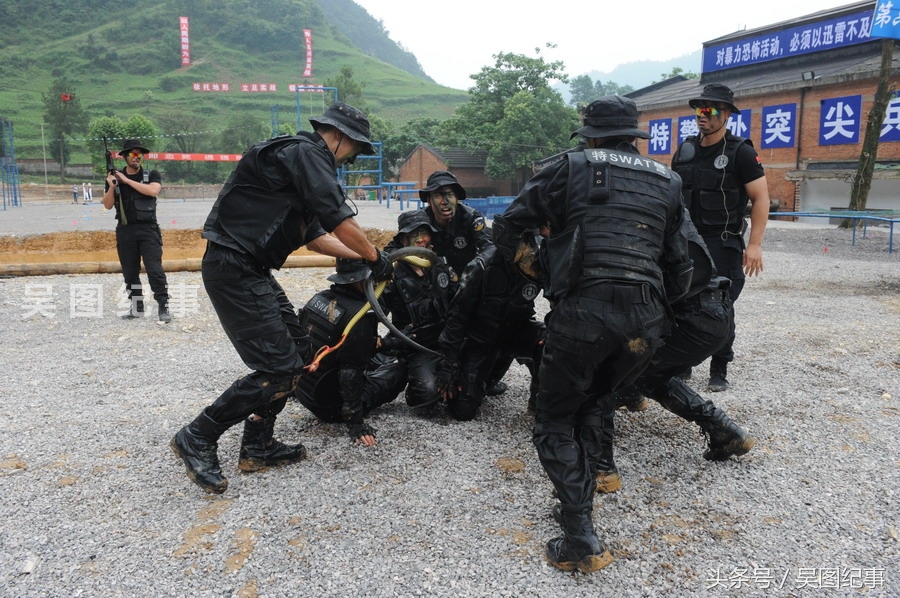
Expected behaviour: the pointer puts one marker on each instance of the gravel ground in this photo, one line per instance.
(95, 504)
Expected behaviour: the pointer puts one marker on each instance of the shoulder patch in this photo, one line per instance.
(478, 223)
(530, 291)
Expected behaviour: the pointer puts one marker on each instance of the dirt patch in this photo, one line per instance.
(100, 246)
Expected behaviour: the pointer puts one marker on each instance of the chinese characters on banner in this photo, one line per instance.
(839, 32)
(660, 136)
(687, 126)
(293, 87)
(840, 122)
(778, 126)
(185, 40)
(739, 123)
(258, 87)
(212, 87)
(307, 37)
(886, 20)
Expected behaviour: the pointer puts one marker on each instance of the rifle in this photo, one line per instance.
(111, 169)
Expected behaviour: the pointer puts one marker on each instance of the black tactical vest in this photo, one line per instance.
(139, 208)
(425, 300)
(622, 203)
(507, 297)
(324, 318)
(264, 222)
(712, 193)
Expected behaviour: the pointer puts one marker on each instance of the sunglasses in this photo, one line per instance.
(135, 154)
(707, 111)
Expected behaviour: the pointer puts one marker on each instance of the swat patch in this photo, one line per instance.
(330, 310)
(530, 291)
(632, 161)
(443, 280)
(478, 223)
(721, 162)
(460, 242)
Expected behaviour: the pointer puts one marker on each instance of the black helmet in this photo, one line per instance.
(349, 121)
(348, 271)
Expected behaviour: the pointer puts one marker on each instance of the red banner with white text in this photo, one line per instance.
(185, 40)
(163, 156)
(307, 37)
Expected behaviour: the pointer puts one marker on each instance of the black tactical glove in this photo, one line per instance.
(447, 379)
(357, 431)
(382, 268)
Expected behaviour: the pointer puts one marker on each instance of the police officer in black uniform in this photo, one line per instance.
(614, 221)
(461, 230)
(720, 174)
(418, 300)
(338, 390)
(491, 320)
(132, 192)
(283, 194)
(703, 323)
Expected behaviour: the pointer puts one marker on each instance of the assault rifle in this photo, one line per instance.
(111, 169)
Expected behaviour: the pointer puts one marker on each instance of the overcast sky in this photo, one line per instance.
(454, 39)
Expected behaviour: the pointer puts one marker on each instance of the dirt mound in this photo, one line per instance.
(100, 246)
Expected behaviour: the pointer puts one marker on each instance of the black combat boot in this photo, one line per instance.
(165, 316)
(631, 399)
(136, 310)
(497, 388)
(725, 438)
(259, 450)
(718, 371)
(196, 445)
(579, 547)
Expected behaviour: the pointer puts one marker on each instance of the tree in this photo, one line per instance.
(398, 145)
(349, 89)
(243, 131)
(64, 117)
(115, 130)
(582, 90)
(184, 133)
(513, 113)
(862, 181)
(676, 71)
(611, 88)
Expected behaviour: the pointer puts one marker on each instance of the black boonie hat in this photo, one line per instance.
(409, 221)
(131, 144)
(716, 92)
(349, 121)
(349, 271)
(441, 178)
(611, 116)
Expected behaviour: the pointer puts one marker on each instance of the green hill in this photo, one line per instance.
(125, 60)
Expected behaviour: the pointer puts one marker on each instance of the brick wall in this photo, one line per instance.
(778, 162)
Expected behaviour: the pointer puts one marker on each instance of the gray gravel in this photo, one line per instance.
(95, 504)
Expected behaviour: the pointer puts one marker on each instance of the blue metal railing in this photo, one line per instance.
(856, 216)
